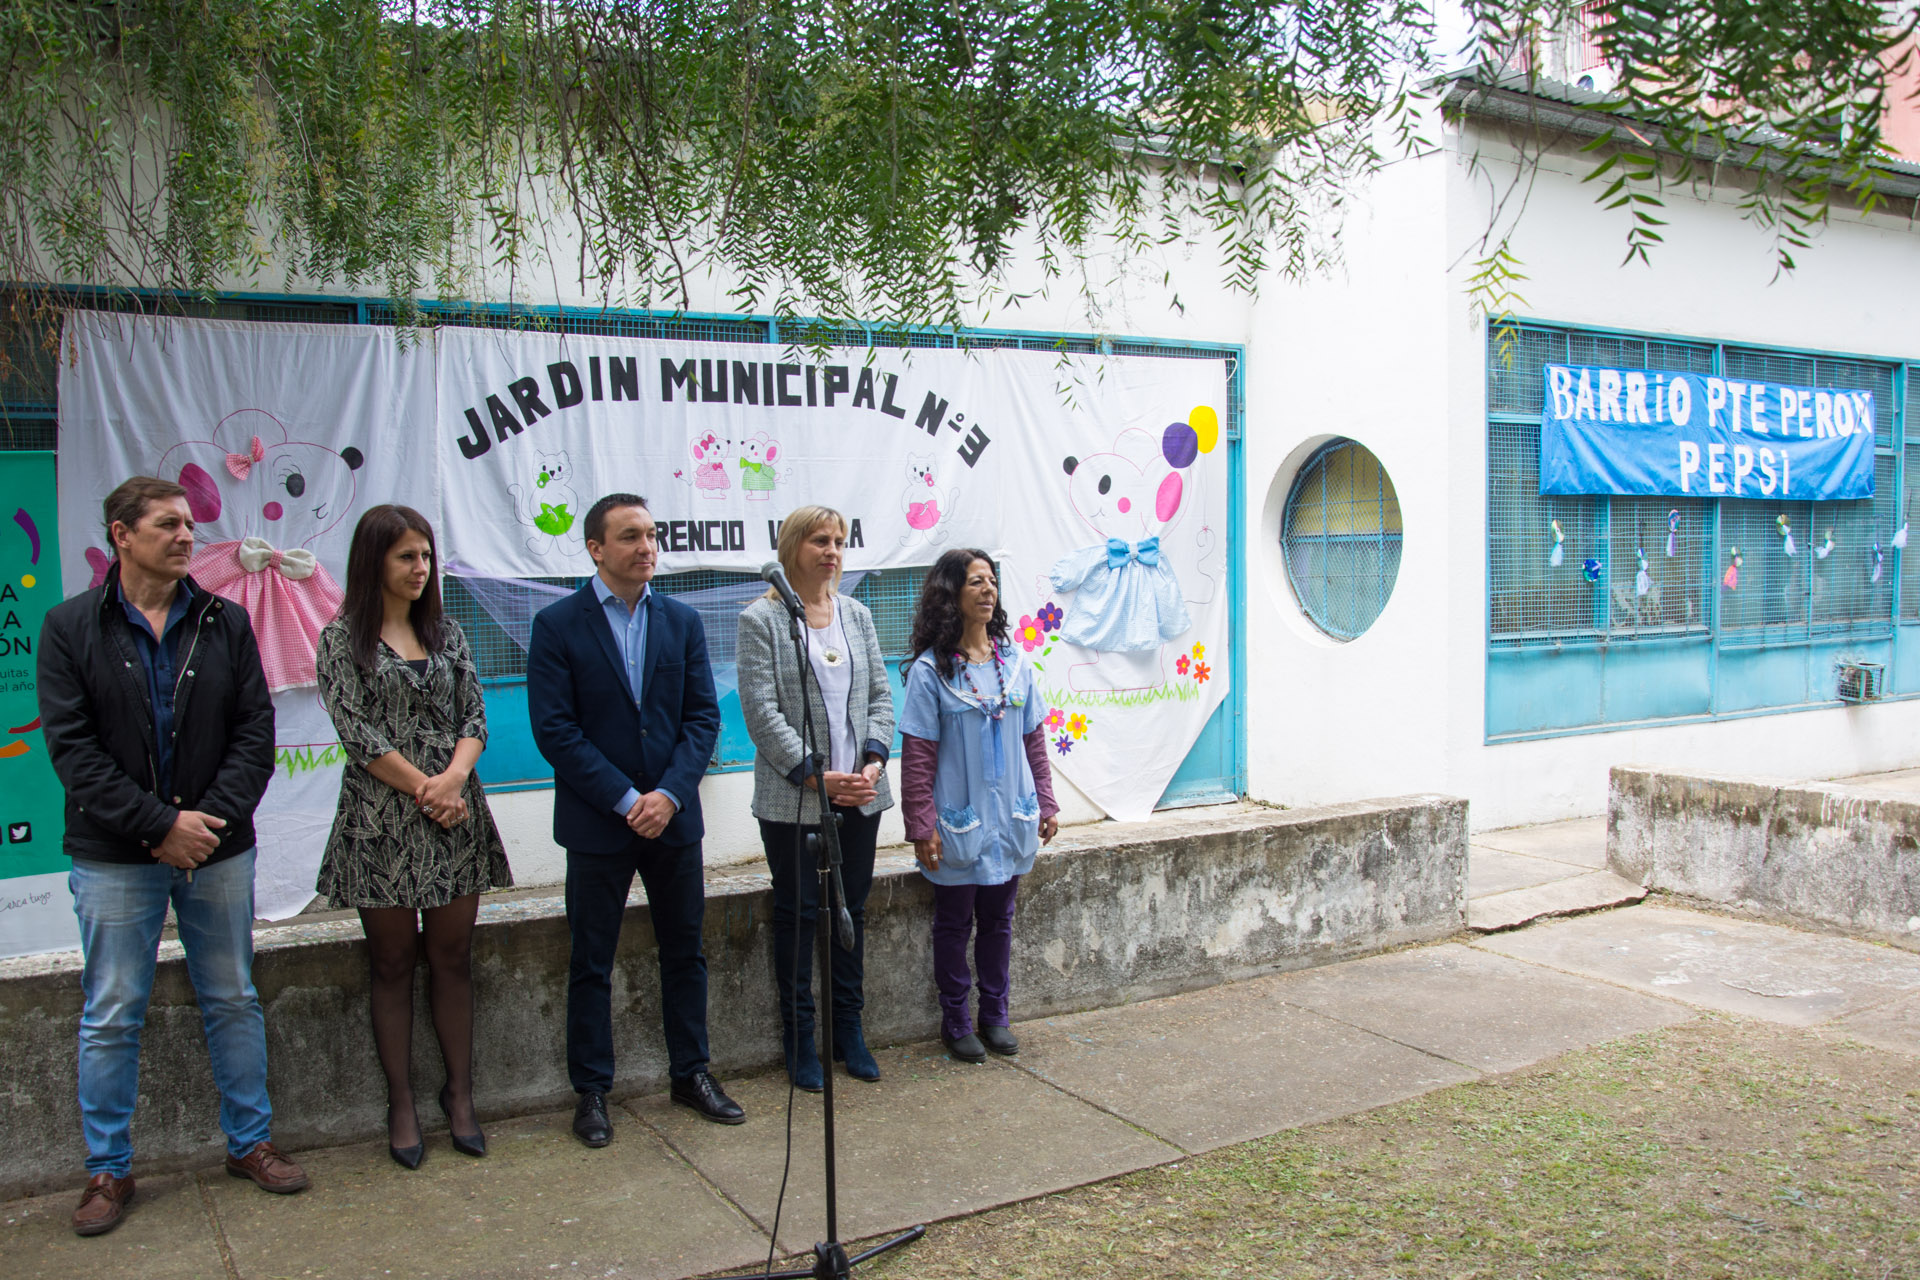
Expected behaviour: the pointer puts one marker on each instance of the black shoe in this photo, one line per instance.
(590, 1123)
(967, 1048)
(703, 1093)
(999, 1040)
(467, 1144)
(405, 1157)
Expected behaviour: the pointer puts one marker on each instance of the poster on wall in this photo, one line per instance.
(36, 911)
(282, 435)
(1642, 431)
(1100, 485)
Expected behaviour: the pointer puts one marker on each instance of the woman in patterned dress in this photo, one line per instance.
(413, 844)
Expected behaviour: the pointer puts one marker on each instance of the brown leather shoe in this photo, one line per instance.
(269, 1170)
(102, 1204)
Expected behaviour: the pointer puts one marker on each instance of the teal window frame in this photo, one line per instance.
(1567, 657)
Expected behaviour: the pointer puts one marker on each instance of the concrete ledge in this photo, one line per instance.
(1835, 854)
(1114, 913)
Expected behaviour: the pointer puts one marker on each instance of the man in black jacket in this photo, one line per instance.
(159, 724)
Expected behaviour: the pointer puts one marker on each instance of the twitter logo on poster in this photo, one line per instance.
(20, 833)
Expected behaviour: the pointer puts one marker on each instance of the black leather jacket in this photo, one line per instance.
(99, 725)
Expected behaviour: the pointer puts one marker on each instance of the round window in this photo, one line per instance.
(1340, 535)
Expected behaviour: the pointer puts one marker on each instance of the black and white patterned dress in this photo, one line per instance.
(384, 852)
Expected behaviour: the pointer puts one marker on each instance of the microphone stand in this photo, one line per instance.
(830, 1260)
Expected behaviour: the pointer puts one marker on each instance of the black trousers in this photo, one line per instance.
(796, 902)
(597, 886)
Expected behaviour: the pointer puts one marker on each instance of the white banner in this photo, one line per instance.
(1105, 475)
(1102, 475)
(283, 434)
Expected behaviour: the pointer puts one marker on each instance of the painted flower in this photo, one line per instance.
(1180, 664)
(1051, 617)
(1056, 719)
(1199, 652)
(1063, 745)
(1077, 725)
(1029, 633)
(1200, 672)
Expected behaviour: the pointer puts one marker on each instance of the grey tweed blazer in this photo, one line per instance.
(770, 703)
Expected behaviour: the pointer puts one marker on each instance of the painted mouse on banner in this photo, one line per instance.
(710, 453)
(260, 501)
(1128, 601)
(759, 453)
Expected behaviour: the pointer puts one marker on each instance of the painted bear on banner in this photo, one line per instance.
(259, 502)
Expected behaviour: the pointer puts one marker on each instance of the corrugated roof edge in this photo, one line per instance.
(1518, 97)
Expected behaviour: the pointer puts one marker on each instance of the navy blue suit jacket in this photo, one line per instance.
(598, 742)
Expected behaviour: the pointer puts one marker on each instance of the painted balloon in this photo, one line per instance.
(1206, 426)
(1180, 445)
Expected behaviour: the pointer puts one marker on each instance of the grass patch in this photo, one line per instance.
(1720, 1148)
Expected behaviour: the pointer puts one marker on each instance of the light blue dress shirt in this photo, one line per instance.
(630, 639)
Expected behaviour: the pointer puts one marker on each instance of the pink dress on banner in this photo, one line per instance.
(288, 595)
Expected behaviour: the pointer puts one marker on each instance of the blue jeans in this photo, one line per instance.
(121, 909)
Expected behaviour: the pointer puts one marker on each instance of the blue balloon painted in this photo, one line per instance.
(1180, 444)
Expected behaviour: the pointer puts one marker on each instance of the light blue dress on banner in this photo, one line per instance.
(1126, 597)
(983, 793)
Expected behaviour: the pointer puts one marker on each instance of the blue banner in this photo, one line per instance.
(1686, 435)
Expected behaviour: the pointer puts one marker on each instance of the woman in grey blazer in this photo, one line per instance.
(853, 713)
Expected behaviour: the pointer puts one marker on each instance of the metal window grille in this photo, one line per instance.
(1780, 599)
(1341, 538)
(1530, 599)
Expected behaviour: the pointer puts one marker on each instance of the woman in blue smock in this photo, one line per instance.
(976, 790)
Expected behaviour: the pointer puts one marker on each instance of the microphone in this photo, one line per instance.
(776, 577)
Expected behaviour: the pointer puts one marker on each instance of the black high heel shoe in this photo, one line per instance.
(467, 1144)
(405, 1157)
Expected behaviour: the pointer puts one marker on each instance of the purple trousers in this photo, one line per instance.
(984, 912)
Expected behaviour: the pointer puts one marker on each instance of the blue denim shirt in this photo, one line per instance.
(158, 655)
(630, 638)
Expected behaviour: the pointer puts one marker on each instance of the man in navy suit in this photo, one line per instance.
(623, 708)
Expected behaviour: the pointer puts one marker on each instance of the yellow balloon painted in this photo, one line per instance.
(26, 580)
(1206, 424)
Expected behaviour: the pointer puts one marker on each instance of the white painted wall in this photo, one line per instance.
(1390, 354)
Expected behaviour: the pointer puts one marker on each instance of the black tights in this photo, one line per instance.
(392, 953)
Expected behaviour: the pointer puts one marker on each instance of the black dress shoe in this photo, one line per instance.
(703, 1093)
(590, 1123)
(467, 1144)
(967, 1048)
(999, 1040)
(405, 1157)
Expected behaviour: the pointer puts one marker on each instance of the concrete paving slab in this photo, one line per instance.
(1899, 781)
(539, 1204)
(1590, 891)
(1894, 1025)
(1489, 871)
(1488, 1012)
(1739, 966)
(1226, 1064)
(935, 1138)
(1581, 841)
(166, 1234)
